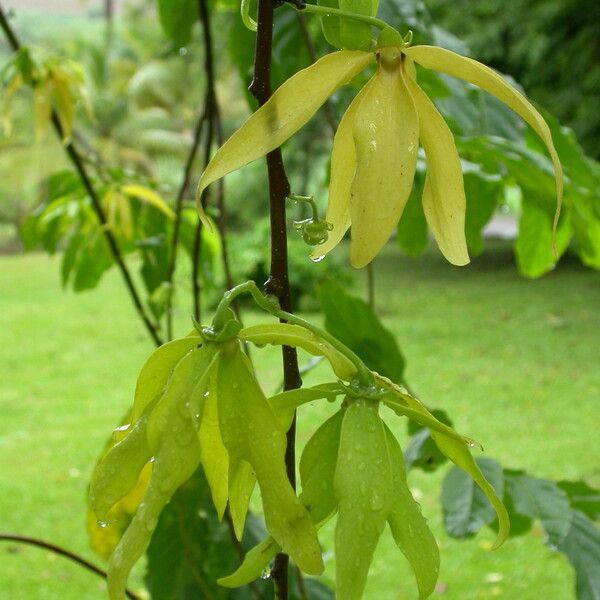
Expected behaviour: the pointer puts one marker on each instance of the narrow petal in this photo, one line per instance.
(487, 79)
(288, 109)
(343, 166)
(386, 133)
(364, 490)
(444, 200)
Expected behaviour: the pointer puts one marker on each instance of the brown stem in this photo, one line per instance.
(23, 539)
(77, 162)
(278, 282)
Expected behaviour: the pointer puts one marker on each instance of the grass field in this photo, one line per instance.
(514, 362)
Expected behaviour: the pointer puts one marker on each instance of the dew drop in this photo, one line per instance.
(317, 259)
(102, 524)
(375, 503)
(266, 573)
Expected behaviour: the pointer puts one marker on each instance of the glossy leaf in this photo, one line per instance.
(177, 18)
(466, 508)
(541, 499)
(354, 323)
(582, 548)
(190, 549)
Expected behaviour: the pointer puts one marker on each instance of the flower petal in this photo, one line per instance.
(343, 166)
(386, 133)
(444, 200)
(487, 79)
(288, 109)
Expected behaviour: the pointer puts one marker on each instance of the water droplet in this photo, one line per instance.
(102, 524)
(376, 502)
(266, 573)
(150, 523)
(152, 459)
(317, 259)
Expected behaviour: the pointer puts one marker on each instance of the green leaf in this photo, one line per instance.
(412, 229)
(191, 549)
(540, 499)
(582, 497)
(352, 321)
(422, 452)
(582, 547)
(177, 18)
(534, 244)
(483, 193)
(466, 508)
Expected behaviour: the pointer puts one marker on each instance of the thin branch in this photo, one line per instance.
(23, 539)
(183, 188)
(78, 163)
(371, 284)
(278, 282)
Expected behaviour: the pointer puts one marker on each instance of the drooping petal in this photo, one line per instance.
(386, 133)
(364, 491)
(343, 166)
(487, 79)
(444, 200)
(288, 109)
(409, 527)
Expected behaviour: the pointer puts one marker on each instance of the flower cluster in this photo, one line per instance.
(375, 147)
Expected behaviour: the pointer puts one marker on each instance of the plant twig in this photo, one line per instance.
(185, 183)
(31, 541)
(371, 285)
(278, 282)
(78, 163)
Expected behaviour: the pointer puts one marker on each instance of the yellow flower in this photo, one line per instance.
(375, 147)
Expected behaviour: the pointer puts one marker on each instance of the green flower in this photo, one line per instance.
(375, 148)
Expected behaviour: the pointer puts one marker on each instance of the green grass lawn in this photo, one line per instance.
(512, 362)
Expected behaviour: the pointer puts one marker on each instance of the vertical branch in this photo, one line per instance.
(214, 133)
(278, 282)
(78, 163)
(183, 188)
(371, 285)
